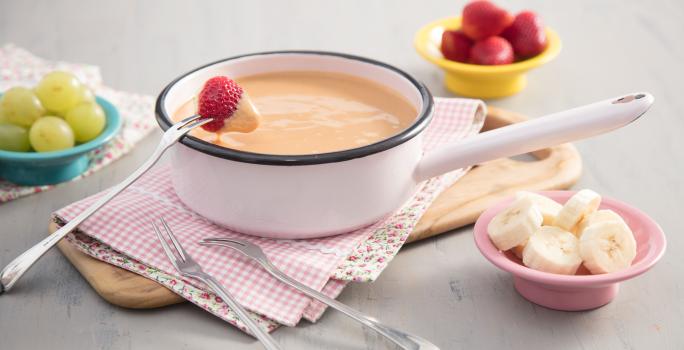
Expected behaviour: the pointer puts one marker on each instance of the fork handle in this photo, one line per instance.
(400, 338)
(263, 336)
(17, 267)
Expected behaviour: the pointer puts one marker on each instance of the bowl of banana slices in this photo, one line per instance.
(568, 250)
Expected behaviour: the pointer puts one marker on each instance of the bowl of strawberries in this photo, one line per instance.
(487, 52)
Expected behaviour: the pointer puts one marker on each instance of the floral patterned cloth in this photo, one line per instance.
(20, 67)
(204, 299)
(370, 258)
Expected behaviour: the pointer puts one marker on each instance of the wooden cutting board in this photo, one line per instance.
(553, 168)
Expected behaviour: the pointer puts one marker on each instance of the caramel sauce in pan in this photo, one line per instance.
(309, 112)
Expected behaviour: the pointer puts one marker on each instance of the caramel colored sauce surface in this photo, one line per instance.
(308, 112)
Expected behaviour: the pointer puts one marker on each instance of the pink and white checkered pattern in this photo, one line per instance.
(125, 225)
(454, 119)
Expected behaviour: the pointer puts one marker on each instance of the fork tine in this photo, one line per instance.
(194, 121)
(198, 122)
(191, 122)
(184, 122)
(237, 247)
(191, 118)
(175, 242)
(223, 240)
(169, 253)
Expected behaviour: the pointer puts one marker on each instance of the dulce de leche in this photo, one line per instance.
(309, 112)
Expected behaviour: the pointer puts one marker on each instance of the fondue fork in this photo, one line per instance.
(252, 251)
(17, 267)
(189, 268)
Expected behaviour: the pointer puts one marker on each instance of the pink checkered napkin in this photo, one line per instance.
(124, 226)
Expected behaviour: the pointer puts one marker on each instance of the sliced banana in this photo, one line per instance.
(553, 250)
(515, 224)
(582, 203)
(596, 217)
(518, 250)
(547, 206)
(607, 247)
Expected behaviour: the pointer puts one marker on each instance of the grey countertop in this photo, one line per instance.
(441, 288)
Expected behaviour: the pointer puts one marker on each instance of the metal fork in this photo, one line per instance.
(188, 267)
(17, 267)
(252, 251)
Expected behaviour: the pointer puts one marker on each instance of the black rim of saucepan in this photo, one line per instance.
(423, 119)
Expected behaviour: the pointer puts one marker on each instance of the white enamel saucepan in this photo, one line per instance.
(304, 196)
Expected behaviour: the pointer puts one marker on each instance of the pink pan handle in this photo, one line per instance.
(550, 130)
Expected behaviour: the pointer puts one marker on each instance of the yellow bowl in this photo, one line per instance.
(480, 81)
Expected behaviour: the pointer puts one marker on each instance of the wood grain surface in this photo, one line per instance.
(553, 168)
(116, 285)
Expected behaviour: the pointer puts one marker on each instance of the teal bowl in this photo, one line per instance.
(48, 168)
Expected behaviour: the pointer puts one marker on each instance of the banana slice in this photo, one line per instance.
(596, 217)
(518, 250)
(547, 206)
(554, 250)
(515, 224)
(607, 247)
(582, 203)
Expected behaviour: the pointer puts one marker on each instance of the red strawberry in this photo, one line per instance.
(494, 50)
(456, 45)
(526, 34)
(482, 19)
(218, 100)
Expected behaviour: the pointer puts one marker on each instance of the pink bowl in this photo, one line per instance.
(582, 291)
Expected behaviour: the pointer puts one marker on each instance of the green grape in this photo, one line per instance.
(20, 106)
(86, 95)
(59, 91)
(87, 120)
(51, 134)
(14, 138)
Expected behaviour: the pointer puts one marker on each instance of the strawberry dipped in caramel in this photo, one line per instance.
(228, 105)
